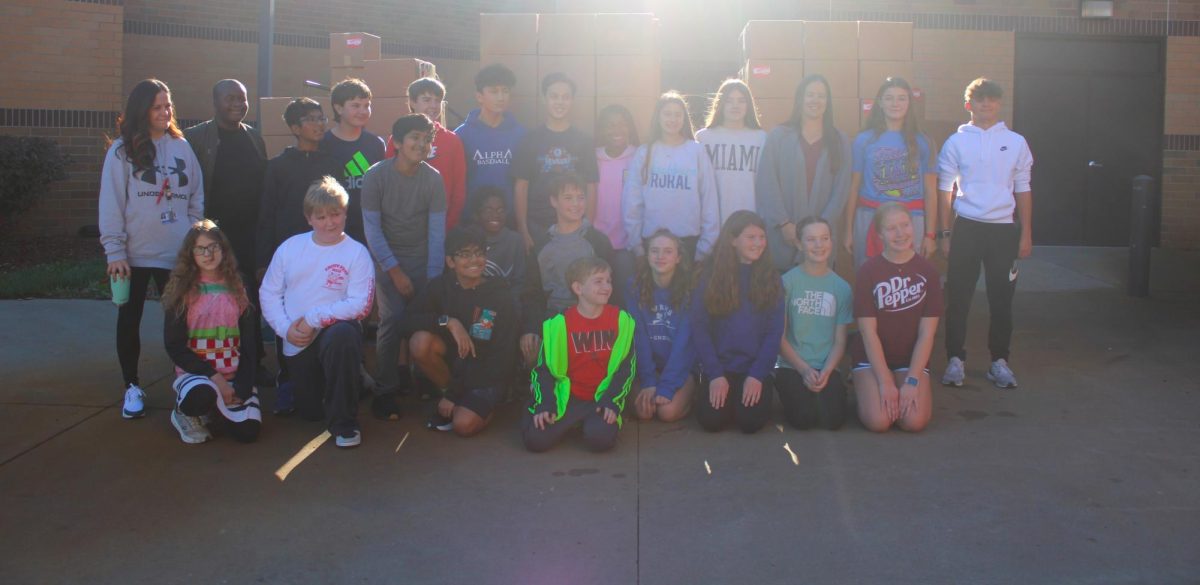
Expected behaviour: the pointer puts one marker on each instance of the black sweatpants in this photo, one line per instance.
(995, 246)
(749, 419)
(129, 319)
(803, 408)
(327, 379)
(598, 435)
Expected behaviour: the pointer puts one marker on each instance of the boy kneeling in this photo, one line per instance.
(316, 290)
(585, 367)
(464, 328)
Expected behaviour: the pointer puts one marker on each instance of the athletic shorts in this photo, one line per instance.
(481, 401)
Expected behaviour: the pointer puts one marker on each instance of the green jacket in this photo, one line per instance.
(551, 369)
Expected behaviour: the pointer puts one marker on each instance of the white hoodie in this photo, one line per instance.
(989, 167)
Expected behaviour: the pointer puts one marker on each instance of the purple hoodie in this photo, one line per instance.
(743, 342)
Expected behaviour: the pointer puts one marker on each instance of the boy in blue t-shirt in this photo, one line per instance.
(490, 134)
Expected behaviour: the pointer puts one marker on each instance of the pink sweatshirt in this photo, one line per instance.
(609, 219)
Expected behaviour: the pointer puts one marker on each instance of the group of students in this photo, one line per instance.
(610, 277)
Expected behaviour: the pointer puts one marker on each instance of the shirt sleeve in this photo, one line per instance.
(768, 351)
(196, 197)
(437, 228)
(702, 340)
(858, 153)
(679, 363)
(456, 181)
(524, 161)
(372, 206)
(632, 206)
(114, 185)
(768, 190)
(948, 165)
(845, 304)
(266, 238)
(933, 292)
(270, 293)
(1023, 174)
(710, 212)
(864, 303)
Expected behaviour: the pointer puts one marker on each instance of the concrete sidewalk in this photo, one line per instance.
(1089, 473)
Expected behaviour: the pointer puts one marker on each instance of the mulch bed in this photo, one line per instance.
(23, 253)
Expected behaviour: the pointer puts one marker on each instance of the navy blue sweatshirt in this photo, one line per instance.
(743, 342)
(489, 153)
(663, 339)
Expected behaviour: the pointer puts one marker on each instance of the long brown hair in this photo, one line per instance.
(133, 126)
(681, 282)
(877, 123)
(716, 113)
(829, 133)
(656, 133)
(722, 296)
(184, 284)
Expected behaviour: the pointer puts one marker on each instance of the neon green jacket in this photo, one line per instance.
(551, 370)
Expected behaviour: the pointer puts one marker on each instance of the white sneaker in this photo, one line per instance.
(135, 402)
(1001, 375)
(955, 372)
(191, 430)
(348, 440)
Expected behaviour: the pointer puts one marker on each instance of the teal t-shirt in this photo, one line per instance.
(816, 305)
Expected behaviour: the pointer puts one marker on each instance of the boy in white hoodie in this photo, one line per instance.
(991, 166)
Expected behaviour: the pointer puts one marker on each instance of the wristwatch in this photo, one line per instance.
(443, 320)
(911, 381)
(943, 234)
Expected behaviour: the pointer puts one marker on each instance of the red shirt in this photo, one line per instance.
(448, 157)
(898, 296)
(812, 152)
(589, 346)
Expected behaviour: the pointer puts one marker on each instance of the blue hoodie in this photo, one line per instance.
(663, 341)
(489, 152)
(743, 342)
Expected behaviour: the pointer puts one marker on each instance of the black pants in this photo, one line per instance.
(200, 398)
(245, 258)
(749, 419)
(995, 246)
(597, 434)
(129, 319)
(326, 377)
(805, 409)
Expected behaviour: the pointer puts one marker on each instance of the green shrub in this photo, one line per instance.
(27, 167)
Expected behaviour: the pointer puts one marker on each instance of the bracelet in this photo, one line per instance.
(931, 235)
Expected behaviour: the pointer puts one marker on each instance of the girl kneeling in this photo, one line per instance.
(209, 334)
(818, 313)
(658, 301)
(737, 315)
(897, 301)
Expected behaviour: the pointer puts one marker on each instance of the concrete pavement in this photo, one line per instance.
(1089, 473)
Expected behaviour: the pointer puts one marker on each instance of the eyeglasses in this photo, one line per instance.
(314, 119)
(470, 254)
(208, 250)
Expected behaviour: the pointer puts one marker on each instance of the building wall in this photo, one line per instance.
(105, 46)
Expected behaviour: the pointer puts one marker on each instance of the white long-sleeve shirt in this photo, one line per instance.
(322, 284)
(679, 194)
(989, 167)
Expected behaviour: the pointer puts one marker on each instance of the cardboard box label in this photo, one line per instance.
(760, 70)
(354, 42)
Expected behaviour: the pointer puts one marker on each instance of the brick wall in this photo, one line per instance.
(1181, 168)
(943, 73)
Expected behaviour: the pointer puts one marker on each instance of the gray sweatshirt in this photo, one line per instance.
(145, 214)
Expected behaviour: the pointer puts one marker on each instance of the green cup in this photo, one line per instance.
(120, 289)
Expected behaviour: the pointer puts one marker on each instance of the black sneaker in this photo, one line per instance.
(384, 407)
(348, 440)
(437, 422)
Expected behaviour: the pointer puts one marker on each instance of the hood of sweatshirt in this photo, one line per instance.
(973, 129)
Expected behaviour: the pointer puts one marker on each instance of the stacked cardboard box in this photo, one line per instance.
(388, 80)
(612, 58)
(854, 57)
(349, 52)
(512, 40)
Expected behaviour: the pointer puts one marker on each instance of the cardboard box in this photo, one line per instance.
(583, 113)
(842, 76)
(525, 67)
(626, 34)
(508, 34)
(276, 144)
(384, 113)
(389, 78)
(773, 39)
(566, 34)
(773, 111)
(831, 40)
(622, 75)
(872, 74)
(580, 68)
(885, 41)
(917, 107)
(640, 107)
(271, 114)
(351, 49)
(847, 115)
(773, 78)
(338, 74)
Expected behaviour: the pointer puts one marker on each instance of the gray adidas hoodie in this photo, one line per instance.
(141, 222)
